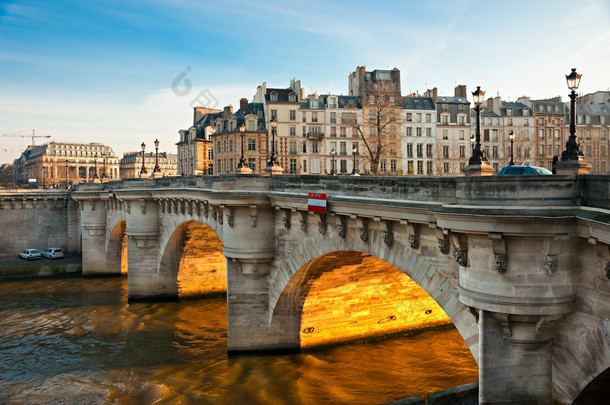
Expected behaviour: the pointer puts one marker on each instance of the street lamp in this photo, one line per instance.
(95, 163)
(156, 169)
(472, 140)
(572, 151)
(477, 154)
(332, 154)
(272, 159)
(66, 173)
(242, 160)
(511, 135)
(143, 169)
(104, 156)
(354, 152)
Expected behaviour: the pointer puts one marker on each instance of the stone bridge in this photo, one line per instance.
(520, 265)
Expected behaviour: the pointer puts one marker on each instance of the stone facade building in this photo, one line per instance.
(418, 136)
(130, 165)
(342, 113)
(282, 105)
(58, 163)
(452, 131)
(195, 153)
(226, 139)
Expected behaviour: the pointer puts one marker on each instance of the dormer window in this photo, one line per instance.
(313, 103)
(274, 97)
(251, 125)
(509, 111)
(292, 98)
(525, 111)
(332, 102)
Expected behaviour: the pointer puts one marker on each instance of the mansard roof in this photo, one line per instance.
(419, 103)
(282, 95)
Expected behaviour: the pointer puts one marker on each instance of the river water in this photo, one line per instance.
(78, 341)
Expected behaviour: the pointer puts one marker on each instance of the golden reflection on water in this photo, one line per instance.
(79, 341)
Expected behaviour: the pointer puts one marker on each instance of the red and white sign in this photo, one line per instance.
(110, 195)
(316, 203)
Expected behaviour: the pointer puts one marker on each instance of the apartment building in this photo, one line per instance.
(194, 148)
(550, 129)
(343, 117)
(418, 135)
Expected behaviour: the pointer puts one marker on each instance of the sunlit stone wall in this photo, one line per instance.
(203, 266)
(350, 296)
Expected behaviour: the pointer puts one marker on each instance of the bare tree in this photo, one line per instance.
(381, 112)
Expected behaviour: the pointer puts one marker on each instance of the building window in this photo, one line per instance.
(314, 147)
(445, 134)
(342, 148)
(410, 150)
(428, 117)
(409, 117)
(292, 98)
(293, 130)
(252, 164)
(332, 102)
(343, 166)
(393, 132)
(428, 151)
(494, 152)
(428, 132)
(418, 131)
(420, 167)
(293, 147)
(461, 134)
(333, 117)
(252, 144)
(429, 169)
(333, 131)
(393, 165)
(409, 131)
(293, 115)
(557, 136)
(314, 117)
(420, 150)
(303, 147)
(342, 132)
(274, 114)
(382, 165)
(446, 152)
(444, 107)
(304, 165)
(274, 97)
(304, 116)
(231, 145)
(462, 151)
(293, 166)
(446, 167)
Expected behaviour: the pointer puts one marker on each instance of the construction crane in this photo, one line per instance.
(27, 136)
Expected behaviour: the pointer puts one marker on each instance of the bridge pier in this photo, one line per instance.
(93, 223)
(519, 292)
(142, 230)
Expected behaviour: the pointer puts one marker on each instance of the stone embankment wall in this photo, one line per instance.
(38, 220)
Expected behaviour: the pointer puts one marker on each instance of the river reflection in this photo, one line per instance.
(78, 341)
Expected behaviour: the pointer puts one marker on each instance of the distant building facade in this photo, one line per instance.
(418, 135)
(130, 165)
(58, 163)
(195, 152)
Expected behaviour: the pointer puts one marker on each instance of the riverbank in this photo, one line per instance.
(14, 267)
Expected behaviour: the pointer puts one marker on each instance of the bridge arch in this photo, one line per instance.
(192, 261)
(434, 274)
(116, 249)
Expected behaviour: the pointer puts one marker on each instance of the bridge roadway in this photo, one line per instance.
(521, 265)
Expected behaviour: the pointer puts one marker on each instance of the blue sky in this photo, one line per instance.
(103, 71)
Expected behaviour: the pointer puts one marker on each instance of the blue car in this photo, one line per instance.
(523, 170)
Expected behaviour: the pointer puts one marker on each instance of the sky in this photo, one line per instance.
(126, 72)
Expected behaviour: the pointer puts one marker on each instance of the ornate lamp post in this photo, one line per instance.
(242, 160)
(272, 166)
(272, 161)
(354, 152)
(572, 151)
(572, 159)
(143, 169)
(156, 169)
(511, 135)
(477, 154)
(243, 167)
(66, 173)
(104, 156)
(472, 140)
(478, 164)
(333, 152)
(95, 164)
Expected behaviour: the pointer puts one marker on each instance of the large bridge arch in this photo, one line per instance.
(192, 261)
(116, 248)
(434, 272)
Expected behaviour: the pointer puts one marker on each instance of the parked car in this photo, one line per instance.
(53, 253)
(30, 254)
(516, 170)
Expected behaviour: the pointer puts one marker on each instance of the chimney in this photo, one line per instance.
(243, 104)
(460, 91)
(432, 93)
